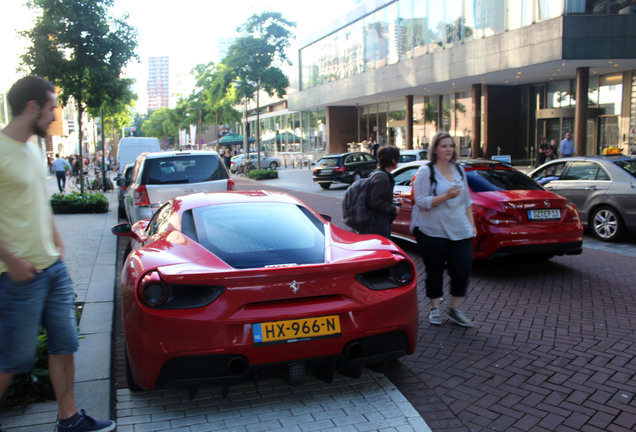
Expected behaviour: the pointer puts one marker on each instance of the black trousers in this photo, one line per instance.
(441, 253)
(61, 180)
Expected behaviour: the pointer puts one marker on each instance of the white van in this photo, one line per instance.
(131, 147)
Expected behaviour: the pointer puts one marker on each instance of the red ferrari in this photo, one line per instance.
(514, 215)
(223, 287)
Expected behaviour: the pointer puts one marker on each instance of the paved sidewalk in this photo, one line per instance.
(90, 258)
(367, 404)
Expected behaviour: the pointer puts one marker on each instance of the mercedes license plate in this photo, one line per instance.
(547, 214)
(296, 330)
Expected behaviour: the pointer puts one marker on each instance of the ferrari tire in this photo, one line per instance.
(606, 224)
(325, 185)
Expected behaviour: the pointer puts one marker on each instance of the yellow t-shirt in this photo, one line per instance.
(26, 219)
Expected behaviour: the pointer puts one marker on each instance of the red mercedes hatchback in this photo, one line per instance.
(222, 287)
(514, 215)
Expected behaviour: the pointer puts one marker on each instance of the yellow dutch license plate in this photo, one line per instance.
(296, 330)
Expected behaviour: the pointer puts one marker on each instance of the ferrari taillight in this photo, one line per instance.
(152, 291)
(399, 274)
(140, 197)
(155, 293)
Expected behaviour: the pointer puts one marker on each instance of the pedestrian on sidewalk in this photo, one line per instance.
(59, 166)
(442, 223)
(567, 146)
(382, 209)
(35, 288)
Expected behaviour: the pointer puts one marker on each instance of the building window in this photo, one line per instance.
(559, 95)
(397, 124)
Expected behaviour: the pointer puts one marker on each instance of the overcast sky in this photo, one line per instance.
(185, 30)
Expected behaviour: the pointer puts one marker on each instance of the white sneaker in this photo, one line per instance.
(434, 317)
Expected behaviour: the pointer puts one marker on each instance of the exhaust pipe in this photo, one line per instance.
(237, 365)
(353, 350)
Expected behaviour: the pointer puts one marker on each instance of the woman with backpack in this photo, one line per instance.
(442, 222)
(379, 199)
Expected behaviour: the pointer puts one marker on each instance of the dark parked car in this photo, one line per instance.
(603, 188)
(343, 168)
(123, 180)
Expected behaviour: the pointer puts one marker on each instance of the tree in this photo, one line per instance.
(218, 96)
(82, 50)
(162, 123)
(252, 61)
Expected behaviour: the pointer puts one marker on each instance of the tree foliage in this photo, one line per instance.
(82, 50)
(252, 61)
(161, 123)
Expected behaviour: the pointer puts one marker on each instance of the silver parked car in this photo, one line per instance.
(160, 176)
(603, 188)
(271, 162)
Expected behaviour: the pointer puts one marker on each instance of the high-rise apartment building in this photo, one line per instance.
(158, 82)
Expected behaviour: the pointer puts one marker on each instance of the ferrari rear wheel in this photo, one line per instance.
(607, 224)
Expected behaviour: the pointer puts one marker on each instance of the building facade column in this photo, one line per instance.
(580, 112)
(440, 113)
(409, 122)
(475, 150)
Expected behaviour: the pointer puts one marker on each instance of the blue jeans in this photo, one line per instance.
(46, 300)
(441, 253)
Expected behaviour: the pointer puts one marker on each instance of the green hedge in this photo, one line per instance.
(77, 203)
(264, 174)
(35, 385)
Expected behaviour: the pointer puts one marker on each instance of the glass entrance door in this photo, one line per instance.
(607, 133)
(554, 129)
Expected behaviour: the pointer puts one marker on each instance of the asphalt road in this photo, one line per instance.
(299, 181)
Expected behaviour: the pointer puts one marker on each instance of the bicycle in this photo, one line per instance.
(74, 181)
(245, 167)
(101, 182)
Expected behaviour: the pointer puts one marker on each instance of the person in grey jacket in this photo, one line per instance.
(382, 210)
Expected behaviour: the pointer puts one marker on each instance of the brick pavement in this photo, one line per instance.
(553, 349)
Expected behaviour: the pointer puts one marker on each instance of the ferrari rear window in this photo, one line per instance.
(485, 180)
(248, 235)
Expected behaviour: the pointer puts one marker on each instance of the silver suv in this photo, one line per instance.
(160, 176)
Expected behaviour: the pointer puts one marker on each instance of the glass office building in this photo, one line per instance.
(497, 74)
